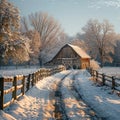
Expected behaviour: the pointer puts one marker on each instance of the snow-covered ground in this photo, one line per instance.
(75, 108)
(38, 103)
(113, 71)
(20, 71)
(101, 99)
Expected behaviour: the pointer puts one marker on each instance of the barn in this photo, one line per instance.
(72, 57)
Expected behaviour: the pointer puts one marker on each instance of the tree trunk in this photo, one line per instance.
(102, 61)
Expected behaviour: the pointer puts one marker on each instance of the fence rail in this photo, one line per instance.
(104, 79)
(20, 84)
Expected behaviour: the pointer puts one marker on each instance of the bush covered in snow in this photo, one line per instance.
(94, 64)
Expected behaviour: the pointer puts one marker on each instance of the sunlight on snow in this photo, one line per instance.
(113, 101)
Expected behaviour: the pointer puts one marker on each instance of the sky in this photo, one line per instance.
(73, 15)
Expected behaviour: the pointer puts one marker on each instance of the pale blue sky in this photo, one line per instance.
(74, 14)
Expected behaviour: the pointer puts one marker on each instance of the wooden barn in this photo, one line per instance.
(72, 57)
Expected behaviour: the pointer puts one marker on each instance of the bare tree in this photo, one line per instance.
(100, 38)
(24, 25)
(48, 28)
(34, 39)
(79, 43)
(49, 52)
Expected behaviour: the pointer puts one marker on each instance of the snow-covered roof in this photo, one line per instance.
(79, 51)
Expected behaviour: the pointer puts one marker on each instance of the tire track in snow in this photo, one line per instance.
(101, 103)
(75, 107)
(60, 113)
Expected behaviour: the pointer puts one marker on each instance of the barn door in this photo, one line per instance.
(67, 62)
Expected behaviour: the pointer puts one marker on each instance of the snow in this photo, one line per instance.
(101, 99)
(94, 64)
(5, 116)
(75, 109)
(20, 71)
(79, 51)
(38, 102)
(113, 71)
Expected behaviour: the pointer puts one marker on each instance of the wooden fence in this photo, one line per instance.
(104, 79)
(16, 86)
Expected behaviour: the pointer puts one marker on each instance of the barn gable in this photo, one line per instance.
(71, 56)
(79, 51)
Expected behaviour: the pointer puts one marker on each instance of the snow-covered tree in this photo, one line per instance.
(9, 21)
(18, 51)
(49, 52)
(94, 64)
(49, 30)
(100, 38)
(52, 37)
(12, 45)
(79, 43)
(35, 44)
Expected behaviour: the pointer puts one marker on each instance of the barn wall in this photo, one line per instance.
(68, 57)
(85, 63)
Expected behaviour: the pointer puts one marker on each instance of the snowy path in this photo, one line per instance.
(76, 108)
(38, 103)
(76, 90)
(99, 98)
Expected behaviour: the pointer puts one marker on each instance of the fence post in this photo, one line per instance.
(113, 82)
(1, 93)
(40, 75)
(14, 94)
(96, 76)
(28, 82)
(37, 76)
(103, 79)
(90, 70)
(23, 83)
(93, 74)
(33, 79)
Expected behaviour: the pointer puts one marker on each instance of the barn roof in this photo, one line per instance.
(79, 51)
